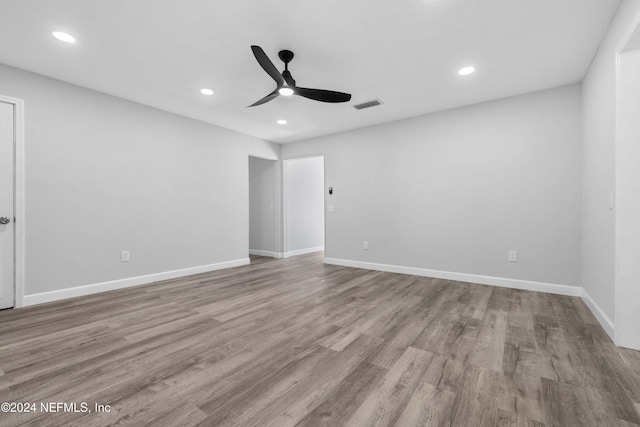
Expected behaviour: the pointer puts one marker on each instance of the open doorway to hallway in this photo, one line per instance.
(262, 199)
(304, 220)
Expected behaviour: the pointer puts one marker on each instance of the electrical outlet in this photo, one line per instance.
(513, 256)
(365, 245)
(125, 256)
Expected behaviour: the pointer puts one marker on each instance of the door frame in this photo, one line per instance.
(616, 335)
(276, 202)
(18, 195)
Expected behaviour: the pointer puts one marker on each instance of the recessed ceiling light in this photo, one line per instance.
(206, 91)
(286, 91)
(282, 122)
(466, 71)
(64, 37)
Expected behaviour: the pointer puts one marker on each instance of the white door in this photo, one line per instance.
(7, 213)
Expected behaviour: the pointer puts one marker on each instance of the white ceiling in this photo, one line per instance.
(404, 52)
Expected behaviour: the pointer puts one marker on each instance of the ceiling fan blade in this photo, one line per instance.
(322, 95)
(267, 65)
(267, 98)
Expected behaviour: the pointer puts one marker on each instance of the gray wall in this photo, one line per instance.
(262, 202)
(304, 203)
(599, 169)
(455, 191)
(105, 175)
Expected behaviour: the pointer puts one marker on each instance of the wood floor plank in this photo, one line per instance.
(482, 393)
(401, 338)
(520, 366)
(347, 397)
(556, 360)
(565, 405)
(603, 388)
(571, 308)
(624, 363)
(346, 335)
(428, 406)
(500, 299)
(267, 364)
(541, 304)
(444, 326)
(301, 399)
(508, 419)
(477, 303)
(521, 309)
(182, 414)
(444, 373)
(489, 350)
(73, 376)
(297, 342)
(255, 397)
(385, 403)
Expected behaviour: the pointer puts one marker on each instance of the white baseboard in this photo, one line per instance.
(126, 283)
(604, 320)
(271, 254)
(303, 251)
(463, 277)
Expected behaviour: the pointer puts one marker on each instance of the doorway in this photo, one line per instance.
(304, 221)
(262, 207)
(11, 202)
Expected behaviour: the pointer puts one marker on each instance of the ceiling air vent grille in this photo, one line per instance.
(367, 104)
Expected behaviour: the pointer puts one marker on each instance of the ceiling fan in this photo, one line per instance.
(286, 86)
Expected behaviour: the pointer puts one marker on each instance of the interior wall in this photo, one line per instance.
(262, 206)
(304, 204)
(457, 190)
(598, 168)
(104, 175)
(628, 203)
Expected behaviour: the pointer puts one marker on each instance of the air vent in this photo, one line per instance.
(367, 104)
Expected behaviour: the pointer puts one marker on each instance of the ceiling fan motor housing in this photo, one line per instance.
(286, 56)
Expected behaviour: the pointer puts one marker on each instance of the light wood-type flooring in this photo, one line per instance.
(297, 343)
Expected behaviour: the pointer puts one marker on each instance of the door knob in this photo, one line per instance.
(4, 220)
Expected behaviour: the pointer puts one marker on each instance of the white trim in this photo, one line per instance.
(271, 254)
(463, 277)
(285, 190)
(128, 282)
(303, 251)
(20, 205)
(600, 315)
(617, 295)
(19, 225)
